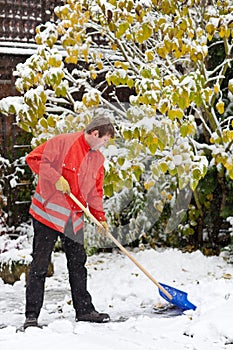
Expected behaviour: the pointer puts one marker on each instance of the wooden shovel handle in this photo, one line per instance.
(125, 251)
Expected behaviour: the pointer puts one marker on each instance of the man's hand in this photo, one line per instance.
(63, 185)
(104, 229)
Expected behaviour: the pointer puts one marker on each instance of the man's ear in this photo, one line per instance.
(95, 133)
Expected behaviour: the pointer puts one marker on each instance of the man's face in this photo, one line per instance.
(98, 142)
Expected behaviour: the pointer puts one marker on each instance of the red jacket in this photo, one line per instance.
(67, 155)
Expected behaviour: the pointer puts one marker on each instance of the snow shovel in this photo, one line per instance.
(170, 294)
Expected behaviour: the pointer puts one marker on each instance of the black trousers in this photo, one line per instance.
(43, 244)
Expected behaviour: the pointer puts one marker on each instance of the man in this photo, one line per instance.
(67, 163)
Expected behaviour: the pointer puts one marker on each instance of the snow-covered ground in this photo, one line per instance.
(121, 289)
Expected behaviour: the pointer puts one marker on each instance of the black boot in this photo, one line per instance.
(30, 322)
(93, 316)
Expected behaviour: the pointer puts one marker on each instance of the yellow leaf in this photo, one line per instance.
(228, 32)
(159, 206)
(216, 88)
(167, 81)
(71, 59)
(108, 190)
(230, 85)
(177, 54)
(127, 134)
(230, 135)
(91, 99)
(38, 39)
(183, 101)
(43, 123)
(162, 51)
(51, 121)
(121, 161)
(230, 172)
(147, 32)
(163, 167)
(123, 65)
(114, 46)
(228, 165)
(99, 65)
(85, 53)
(168, 44)
(93, 75)
(183, 25)
(149, 184)
(193, 184)
(122, 28)
(153, 147)
(184, 130)
(130, 82)
(220, 107)
(149, 55)
(175, 113)
(222, 31)
(210, 28)
(163, 108)
(199, 56)
(193, 56)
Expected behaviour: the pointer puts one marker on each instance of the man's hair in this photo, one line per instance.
(103, 125)
(106, 129)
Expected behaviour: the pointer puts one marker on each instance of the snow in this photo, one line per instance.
(8, 47)
(121, 289)
(16, 101)
(14, 250)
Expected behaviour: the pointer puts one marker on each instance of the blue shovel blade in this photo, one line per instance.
(179, 298)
